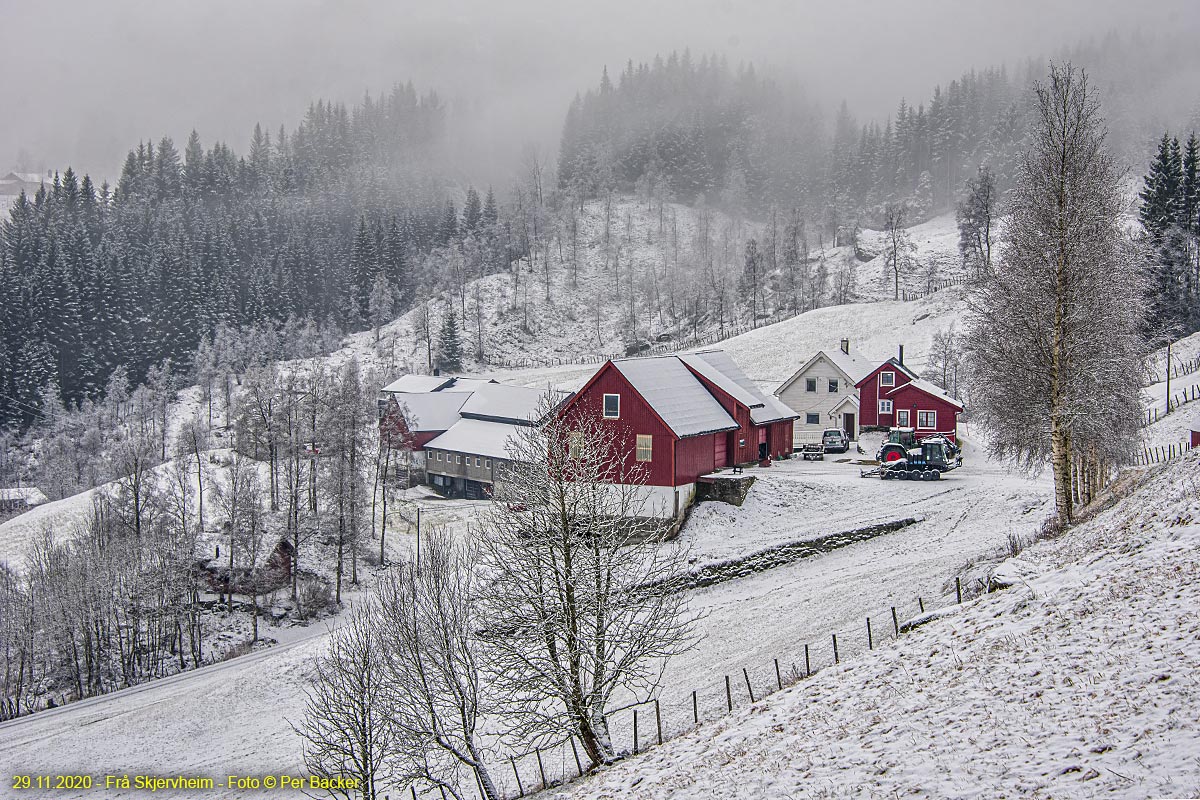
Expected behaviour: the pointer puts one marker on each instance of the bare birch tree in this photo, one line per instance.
(568, 550)
(1053, 350)
(428, 634)
(347, 731)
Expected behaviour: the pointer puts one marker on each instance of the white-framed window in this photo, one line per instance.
(458, 459)
(612, 406)
(810, 384)
(574, 444)
(478, 461)
(902, 418)
(885, 406)
(812, 419)
(887, 379)
(487, 463)
(927, 419)
(834, 385)
(645, 447)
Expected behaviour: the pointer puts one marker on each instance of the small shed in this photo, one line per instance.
(20, 499)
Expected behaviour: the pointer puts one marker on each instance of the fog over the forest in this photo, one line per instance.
(84, 81)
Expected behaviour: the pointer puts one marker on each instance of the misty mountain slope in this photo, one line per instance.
(1077, 682)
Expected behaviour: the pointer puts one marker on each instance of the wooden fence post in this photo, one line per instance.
(807, 665)
(870, 639)
(541, 768)
(728, 694)
(958, 588)
(749, 690)
(575, 751)
(635, 731)
(835, 652)
(517, 773)
(695, 708)
(658, 719)
(895, 622)
(778, 677)
(921, 604)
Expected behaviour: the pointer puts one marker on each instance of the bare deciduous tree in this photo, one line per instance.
(569, 549)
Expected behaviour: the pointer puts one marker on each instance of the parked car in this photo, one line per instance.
(835, 440)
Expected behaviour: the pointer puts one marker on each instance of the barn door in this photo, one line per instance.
(720, 456)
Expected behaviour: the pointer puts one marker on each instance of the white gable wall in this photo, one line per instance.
(820, 402)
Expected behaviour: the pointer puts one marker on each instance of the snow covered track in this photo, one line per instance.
(1080, 681)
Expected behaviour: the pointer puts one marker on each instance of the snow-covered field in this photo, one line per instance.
(1078, 682)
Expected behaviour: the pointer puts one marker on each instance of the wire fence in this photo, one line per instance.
(1179, 369)
(674, 711)
(1176, 400)
(935, 285)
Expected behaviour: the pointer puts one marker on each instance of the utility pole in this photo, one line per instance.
(1168, 376)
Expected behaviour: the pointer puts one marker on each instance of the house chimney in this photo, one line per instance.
(902, 355)
(846, 346)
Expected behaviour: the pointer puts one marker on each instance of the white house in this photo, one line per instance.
(822, 391)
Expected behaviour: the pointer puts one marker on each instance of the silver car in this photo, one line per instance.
(835, 440)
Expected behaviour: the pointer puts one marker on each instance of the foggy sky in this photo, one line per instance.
(83, 81)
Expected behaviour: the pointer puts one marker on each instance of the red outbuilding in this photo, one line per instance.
(685, 416)
(891, 395)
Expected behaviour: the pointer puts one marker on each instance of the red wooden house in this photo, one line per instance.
(891, 395)
(683, 417)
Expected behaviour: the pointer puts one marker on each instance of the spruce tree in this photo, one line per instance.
(472, 212)
(450, 343)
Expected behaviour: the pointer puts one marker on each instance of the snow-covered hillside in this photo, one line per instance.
(1076, 682)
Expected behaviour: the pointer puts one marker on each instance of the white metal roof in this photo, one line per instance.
(763, 407)
(477, 437)
(431, 411)
(418, 383)
(854, 365)
(772, 410)
(676, 395)
(518, 404)
(467, 384)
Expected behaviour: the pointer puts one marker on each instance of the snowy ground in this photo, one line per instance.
(1079, 682)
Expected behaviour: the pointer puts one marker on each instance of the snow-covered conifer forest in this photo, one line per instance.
(672, 402)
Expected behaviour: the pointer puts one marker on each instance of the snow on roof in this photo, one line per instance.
(477, 437)
(418, 383)
(676, 395)
(710, 365)
(431, 411)
(464, 383)
(763, 407)
(772, 410)
(854, 365)
(518, 404)
(31, 495)
(931, 389)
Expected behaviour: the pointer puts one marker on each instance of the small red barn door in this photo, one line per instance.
(720, 452)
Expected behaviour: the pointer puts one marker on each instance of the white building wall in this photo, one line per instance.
(821, 402)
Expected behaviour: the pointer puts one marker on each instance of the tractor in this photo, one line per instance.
(905, 457)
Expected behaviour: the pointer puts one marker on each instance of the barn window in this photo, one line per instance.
(812, 419)
(458, 459)
(487, 463)
(902, 418)
(810, 384)
(927, 419)
(478, 461)
(612, 406)
(439, 455)
(885, 406)
(575, 443)
(834, 385)
(645, 447)
(887, 379)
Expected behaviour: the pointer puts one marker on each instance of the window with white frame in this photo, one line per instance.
(885, 406)
(927, 419)
(812, 419)
(645, 447)
(902, 418)
(887, 379)
(834, 385)
(439, 455)
(810, 384)
(612, 406)
(458, 459)
(478, 461)
(487, 463)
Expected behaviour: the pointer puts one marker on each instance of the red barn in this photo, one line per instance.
(893, 396)
(685, 416)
